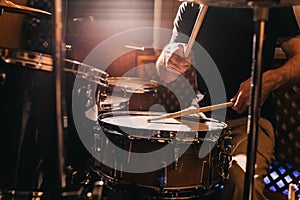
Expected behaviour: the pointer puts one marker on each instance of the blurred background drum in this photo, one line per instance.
(142, 94)
(28, 118)
(13, 24)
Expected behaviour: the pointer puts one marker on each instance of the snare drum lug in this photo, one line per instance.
(206, 174)
(129, 151)
(176, 156)
(163, 179)
(225, 157)
(115, 167)
(98, 190)
(2, 77)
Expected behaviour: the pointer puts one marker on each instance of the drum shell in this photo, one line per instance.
(28, 117)
(187, 172)
(142, 102)
(141, 94)
(184, 174)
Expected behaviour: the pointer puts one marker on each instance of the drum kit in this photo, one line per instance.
(191, 155)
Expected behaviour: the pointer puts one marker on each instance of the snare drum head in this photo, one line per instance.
(132, 84)
(137, 123)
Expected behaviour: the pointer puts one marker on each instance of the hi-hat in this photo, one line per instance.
(9, 6)
(244, 3)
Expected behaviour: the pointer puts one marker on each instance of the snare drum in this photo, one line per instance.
(142, 94)
(179, 157)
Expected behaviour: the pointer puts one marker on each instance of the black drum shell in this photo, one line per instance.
(187, 172)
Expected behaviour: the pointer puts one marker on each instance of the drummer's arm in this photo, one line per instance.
(290, 71)
(171, 62)
(272, 79)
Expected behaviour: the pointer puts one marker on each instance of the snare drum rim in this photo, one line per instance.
(198, 136)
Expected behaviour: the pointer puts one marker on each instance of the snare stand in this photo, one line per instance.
(59, 53)
(260, 17)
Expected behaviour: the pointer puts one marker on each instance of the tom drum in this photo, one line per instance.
(141, 94)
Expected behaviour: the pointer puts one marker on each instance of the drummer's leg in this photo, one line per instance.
(233, 188)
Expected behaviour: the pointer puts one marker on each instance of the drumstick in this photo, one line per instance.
(192, 111)
(195, 30)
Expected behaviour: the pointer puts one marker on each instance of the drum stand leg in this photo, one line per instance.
(92, 183)
(260, 16)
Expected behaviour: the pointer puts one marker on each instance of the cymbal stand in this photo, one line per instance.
(58, 69)
(260, 17)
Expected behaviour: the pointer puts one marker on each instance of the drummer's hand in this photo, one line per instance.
(172, 61)
(198, 115)
(174, 58)
(242, 98)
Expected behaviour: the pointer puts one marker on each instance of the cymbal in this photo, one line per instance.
(243, 3)
(9, 6)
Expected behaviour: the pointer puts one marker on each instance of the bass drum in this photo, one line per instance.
(190, 155)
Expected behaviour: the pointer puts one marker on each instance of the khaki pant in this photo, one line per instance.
(233, 188)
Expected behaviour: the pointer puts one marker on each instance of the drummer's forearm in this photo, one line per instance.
(289, 72)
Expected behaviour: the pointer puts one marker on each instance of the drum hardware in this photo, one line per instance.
(163, 180)
(14, 194)
(2, 77)
(176, 157)
(205, 174)
(9, 6)
(97, 190)
(225, 157)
